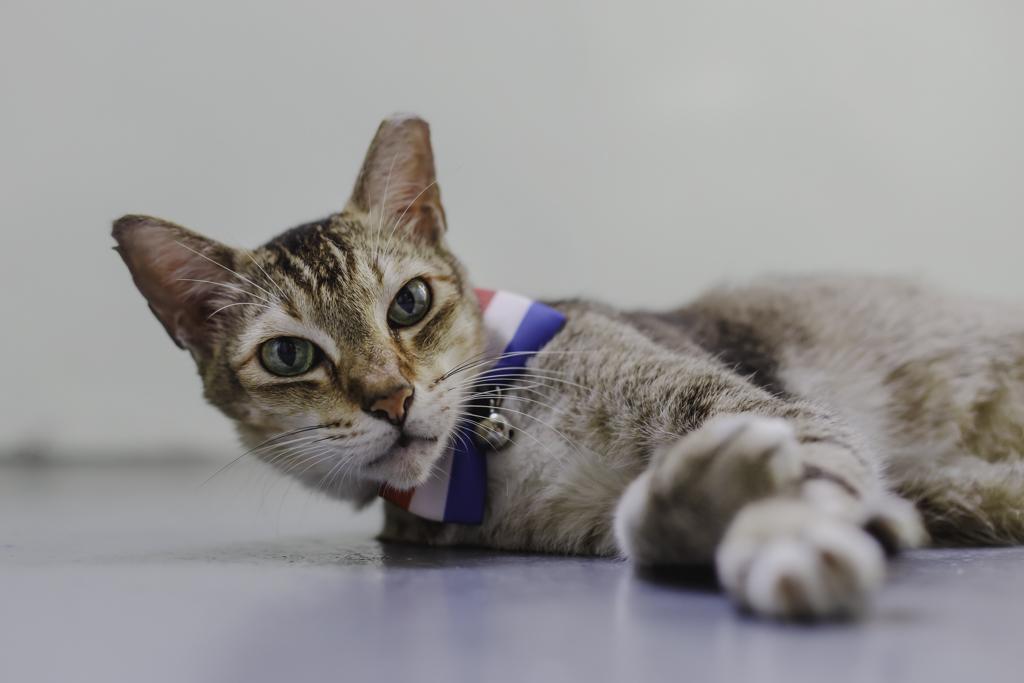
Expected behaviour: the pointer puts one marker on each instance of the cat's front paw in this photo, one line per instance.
(676, 512)
(783, 558)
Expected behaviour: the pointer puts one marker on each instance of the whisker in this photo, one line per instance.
(267, 275)
(509, 389)
(526, 375)
(462, 437)
(297, 430)
(317, 456)
(398, 221)
(381, 209)
(290, 448)
(266, 442)
(470, 424)
(336, 474)
(512, 374)
(228, 286)
(239, 303)
(535, 419)
(305, 454)
(528, 400)
(221, 265)
(509, 354)
(510, 379)
(499, 389)
(289, 458)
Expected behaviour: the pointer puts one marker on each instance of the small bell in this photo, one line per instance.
(494, 432)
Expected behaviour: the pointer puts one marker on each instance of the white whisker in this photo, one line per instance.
(381, 208)
(535, 419)
(239, 303)
(284, 296)
(227, 286)
(398, 221)
(221, 265)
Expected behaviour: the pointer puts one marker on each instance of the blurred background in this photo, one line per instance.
(635, 152)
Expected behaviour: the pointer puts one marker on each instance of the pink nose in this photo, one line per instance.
(392, 405)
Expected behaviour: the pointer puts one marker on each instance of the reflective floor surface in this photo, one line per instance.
(146, 573)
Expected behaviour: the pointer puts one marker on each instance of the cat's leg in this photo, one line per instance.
(783, 506)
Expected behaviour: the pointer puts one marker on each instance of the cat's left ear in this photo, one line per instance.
(397, 183)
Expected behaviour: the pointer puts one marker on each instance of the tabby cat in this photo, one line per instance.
(789, 432)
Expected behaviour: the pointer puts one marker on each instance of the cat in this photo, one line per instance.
(790, 432)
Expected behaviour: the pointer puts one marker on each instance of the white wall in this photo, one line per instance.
(631, 151)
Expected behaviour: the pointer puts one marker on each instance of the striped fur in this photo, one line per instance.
(771, 429)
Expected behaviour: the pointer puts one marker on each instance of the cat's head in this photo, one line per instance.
(329, 345)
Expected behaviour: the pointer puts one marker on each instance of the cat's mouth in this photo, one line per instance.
(409, 454)
(406, 453)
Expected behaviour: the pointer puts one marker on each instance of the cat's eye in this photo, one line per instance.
(410, 304)
(288, 356)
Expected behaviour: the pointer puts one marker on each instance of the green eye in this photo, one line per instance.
(287, 356)
(410, 305)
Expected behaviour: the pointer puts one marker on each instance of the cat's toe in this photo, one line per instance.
(781, 559)
(764, 449)
(675, 512)
(896, 524)
(741, 456)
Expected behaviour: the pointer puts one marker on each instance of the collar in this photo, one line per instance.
(517, 328)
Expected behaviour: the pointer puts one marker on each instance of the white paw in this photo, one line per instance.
(677, 511)
(784, 558)
(767, 443)
(734, 456)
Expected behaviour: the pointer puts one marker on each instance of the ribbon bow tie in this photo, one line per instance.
(516, 328)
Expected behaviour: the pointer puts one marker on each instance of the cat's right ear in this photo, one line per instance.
(178, 271)
(397, 182)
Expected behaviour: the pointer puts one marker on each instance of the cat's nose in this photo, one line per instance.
(391, 405)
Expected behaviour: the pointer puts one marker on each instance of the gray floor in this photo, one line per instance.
(145, 573)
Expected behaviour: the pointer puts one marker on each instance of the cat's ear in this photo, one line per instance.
(397, 182)
(179, 273)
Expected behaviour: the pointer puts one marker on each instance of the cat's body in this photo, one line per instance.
(768, 429)
(931, 385)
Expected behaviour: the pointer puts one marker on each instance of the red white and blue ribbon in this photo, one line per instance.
(516, 327)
